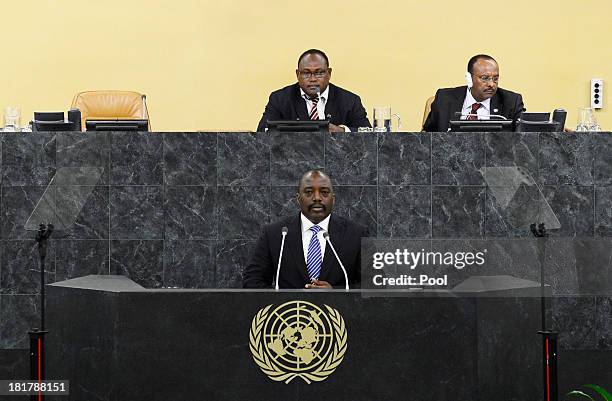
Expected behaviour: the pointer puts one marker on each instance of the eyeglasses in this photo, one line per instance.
(308, 74)
(486, 79)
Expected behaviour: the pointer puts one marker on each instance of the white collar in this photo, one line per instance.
(469, 101)
(306, 224)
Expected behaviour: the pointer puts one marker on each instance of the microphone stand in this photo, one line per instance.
(37, 336)
(549, 337)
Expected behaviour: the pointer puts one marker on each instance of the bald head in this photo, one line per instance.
(316, 195)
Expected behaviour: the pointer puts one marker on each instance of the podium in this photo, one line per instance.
(114, 340)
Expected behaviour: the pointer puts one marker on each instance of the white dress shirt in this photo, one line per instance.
(307, 234)
(320, 105)
(483, 112)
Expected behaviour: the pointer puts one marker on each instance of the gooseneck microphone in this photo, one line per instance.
(326, 236)
(284, 232)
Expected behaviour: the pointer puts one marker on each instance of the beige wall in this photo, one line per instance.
(210, 65)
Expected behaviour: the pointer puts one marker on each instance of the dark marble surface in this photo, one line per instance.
(566, 159)
(243, 159)
(405, 211)
(183, 209)
(137, 212)
(458, 211)
(404, 159)
(140, 260)
(190, 159)
(136, 159)
(457, 158)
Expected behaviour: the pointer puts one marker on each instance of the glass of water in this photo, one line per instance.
(12, 118)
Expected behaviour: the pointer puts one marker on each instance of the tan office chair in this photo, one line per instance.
(110, 105)
(427, 109)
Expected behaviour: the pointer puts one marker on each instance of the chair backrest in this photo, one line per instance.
(427, 108)
(110, 104)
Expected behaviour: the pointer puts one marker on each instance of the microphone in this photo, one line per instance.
(145, 111)
(326, 236)
(284, 232)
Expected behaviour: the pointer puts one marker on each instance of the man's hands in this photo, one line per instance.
(317, 284)
(335, 128)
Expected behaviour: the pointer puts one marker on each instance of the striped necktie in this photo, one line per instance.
(314, 115)
(314, 258)
(474, 110)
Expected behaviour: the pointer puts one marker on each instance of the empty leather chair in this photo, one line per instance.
(110, 105)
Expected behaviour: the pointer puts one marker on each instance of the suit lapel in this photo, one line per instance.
(330, 106)
(294, 242)
(299, 104)
(496, 105)
(457, 102)
(336, 230)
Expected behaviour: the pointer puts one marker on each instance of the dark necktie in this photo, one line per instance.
(474, 111)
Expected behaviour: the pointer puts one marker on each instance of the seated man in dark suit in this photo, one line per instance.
(479, 99)
(308, 261)
(314, 98)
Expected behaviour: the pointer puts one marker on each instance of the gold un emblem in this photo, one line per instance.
(298, 339)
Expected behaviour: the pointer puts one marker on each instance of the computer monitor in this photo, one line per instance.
(298, 126)
(117, 125)
(535, 116)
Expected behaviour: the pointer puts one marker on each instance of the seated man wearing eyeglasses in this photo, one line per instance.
(480, 99)
(314, 98)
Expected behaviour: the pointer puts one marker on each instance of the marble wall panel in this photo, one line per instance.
(81, 257)
(573, 206)
(294, 154)
(357, 203)
(566, 159)
(140, 260)
(283, 202)
(20, 267)
(602, 155)
(232, 257)
(603, 211)
(404, 211)
(457, 158)
(243, 159)
(189, 263)
(136, 158)
(575, 320)
(404, 159)
(77, 149)
(458, 212)
(28, 159)
(243, 211)
(190, 158)
(603, 331)
(504, 149)
(16, 205)
(350, 159)
(190, 212)
(18, 315)
(136, 212)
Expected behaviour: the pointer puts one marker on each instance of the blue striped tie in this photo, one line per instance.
(314, 257)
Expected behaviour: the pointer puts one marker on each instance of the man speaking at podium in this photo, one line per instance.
(479, 99)
(308, 260)
(314, 98)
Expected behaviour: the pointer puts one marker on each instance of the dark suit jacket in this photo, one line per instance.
(448, 101)
(343, 107)
(344, 234)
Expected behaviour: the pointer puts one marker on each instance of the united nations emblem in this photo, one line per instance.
(298, 339)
